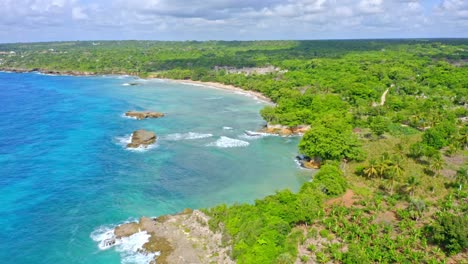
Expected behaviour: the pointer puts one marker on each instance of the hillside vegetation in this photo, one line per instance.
(388, 119)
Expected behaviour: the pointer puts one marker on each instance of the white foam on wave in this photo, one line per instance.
(125, 140)
(43, 73)
(226, 142)
(186, 136)
(227, 128)
(130, 248)
(255, 135)
(299, 164)
(129, 117)
(214, 98)
(195, 84)
(126, 84)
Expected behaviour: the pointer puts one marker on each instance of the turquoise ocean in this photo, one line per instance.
(66, 177)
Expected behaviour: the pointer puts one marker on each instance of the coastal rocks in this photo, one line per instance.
(142, 138)
(126, 230)
(285, 130)
(144, 115)
(308, 163)
(180, 238)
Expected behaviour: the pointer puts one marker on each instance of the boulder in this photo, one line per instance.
(308, 163)
(143, 115)
(312, 164)
(301, 129)
(142, 138)
(285, 130)
(126, 230)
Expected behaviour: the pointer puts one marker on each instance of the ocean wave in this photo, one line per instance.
(227, 128)
(125, 140)
(129, 117)
(126, 84)
(196, 84)
(186, 136)
(255, 135)
(226, 142)
(214, 98)
(299, 164)
(45, 74)
(130, 248)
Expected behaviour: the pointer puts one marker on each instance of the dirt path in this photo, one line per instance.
(384, 97)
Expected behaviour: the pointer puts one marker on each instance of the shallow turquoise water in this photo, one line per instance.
(65, 173)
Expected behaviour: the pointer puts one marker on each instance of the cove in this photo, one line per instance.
(65, 172)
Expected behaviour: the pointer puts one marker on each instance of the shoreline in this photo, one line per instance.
(214, 85)
(220, 86)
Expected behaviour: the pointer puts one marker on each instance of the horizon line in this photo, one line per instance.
(233, 40)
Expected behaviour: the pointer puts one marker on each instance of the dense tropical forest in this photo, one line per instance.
(388, 122)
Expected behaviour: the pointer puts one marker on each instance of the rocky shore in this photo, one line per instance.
(181, 238)
(142, 138)
(308, 163)
(285, 130)
(144, 115)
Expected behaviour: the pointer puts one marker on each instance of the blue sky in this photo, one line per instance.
(53, 20)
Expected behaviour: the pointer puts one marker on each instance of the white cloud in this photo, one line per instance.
(78, 13)
(234, 19)
(370, 6)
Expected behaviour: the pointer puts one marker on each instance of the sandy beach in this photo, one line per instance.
(221, 86)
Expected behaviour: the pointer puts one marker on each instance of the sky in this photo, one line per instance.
(63, 20)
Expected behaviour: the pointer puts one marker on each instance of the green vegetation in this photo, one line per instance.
(398, 157)
(450, 231)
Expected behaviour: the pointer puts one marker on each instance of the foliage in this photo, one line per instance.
(331, 139)
(378, 125)
(450, 232)
(330, 179)
(260, 232)
(439, 136)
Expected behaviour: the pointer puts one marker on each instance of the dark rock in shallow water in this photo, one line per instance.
(143, 115)
(308, 163)
(142, 138)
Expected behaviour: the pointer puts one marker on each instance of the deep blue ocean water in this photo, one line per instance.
(65, 173)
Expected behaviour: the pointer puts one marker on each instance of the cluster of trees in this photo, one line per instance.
(261, 233)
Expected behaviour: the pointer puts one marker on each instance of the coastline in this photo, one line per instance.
(214, 85)
(221, 86)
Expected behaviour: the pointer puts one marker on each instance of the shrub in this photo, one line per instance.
(450, 232)
(330, 179)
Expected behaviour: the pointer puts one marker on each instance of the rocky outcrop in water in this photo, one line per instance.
(285, 130)
(144, 115)
(181, 238)
(308, 163)
(142, 138)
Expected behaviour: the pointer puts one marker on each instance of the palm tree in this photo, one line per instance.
(411, 184)
(396, 166)
(372, 170)
(400, 150)
(437, 164)
(382, 165)
(396, 171)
